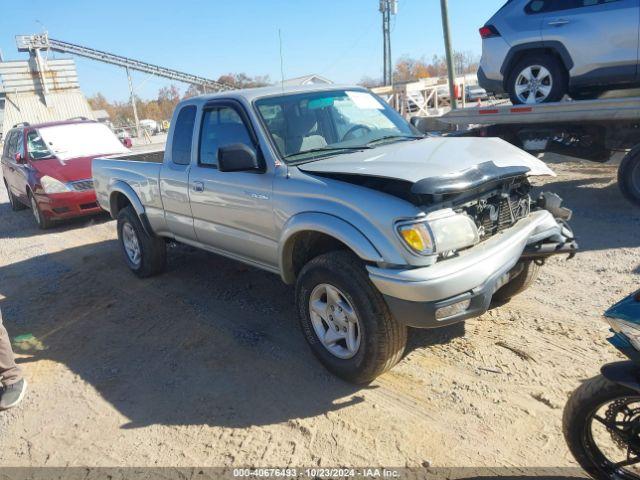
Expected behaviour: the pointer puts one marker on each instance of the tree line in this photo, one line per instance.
(161, 108)
(407, 69)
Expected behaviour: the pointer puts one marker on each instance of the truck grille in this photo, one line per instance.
(82, 185)
(497, 213)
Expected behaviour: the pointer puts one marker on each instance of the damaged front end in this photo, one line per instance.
(496, 198)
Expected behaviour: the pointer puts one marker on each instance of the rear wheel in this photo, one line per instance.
(42, 221)
(345, 320)
(13, 200)
(145, 255)
(537, 79)
(629, 176)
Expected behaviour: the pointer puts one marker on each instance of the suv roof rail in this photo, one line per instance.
(21, 124)
(78, 118)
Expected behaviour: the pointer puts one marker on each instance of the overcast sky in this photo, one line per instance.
(340, 39)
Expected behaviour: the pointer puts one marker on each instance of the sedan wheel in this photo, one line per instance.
(335, 321)
(34, 210)
(534, 85)
(537, 79)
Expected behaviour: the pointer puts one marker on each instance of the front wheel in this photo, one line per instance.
(345, 320)
(523, 275)
(145, 255)
(42, 221)
(601, 425)
(629, 176)
(537, 79)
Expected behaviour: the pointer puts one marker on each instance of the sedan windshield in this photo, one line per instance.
(312, 125)
(75, 140)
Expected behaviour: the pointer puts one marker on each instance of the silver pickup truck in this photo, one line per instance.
(378, 227)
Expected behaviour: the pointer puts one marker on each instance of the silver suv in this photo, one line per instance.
(540, 50)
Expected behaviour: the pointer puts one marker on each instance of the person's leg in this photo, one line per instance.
(13, 384)
(10, 373)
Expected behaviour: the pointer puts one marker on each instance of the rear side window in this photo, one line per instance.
(9, 145)
(543, 6)
(183, 136)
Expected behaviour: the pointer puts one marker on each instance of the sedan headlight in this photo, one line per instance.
(441, 231)
(51, 185)
(630, 330)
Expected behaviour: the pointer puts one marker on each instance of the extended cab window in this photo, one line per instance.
(183, 136)
(221, 127)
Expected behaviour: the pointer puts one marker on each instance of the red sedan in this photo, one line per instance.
(47, 167)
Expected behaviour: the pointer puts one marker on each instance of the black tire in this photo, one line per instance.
(382, 338)
(629, 176)
(576, 424)
(556, 70)
(16, 204)
(518, 284)
(153, 249)
(43, 222)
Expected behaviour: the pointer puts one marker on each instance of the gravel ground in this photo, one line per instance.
(205, 364)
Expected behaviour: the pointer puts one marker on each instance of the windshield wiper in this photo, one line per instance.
(394, 137)
(328, 150)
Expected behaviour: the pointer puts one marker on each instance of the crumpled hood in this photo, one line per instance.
(432, 157)
(67, 170)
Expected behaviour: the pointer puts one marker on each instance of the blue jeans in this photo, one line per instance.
(10, 373)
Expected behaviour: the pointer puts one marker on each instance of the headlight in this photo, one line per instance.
(51, 185)
(628, 329)
(442, 231)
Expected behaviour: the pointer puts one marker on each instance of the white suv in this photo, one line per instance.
(540, 50)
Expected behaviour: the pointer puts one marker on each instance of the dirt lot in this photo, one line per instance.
(205, 365)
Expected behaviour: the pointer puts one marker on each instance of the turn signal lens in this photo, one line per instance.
(417, 237)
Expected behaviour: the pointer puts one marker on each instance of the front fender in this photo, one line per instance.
(328, 225)
(623, 373)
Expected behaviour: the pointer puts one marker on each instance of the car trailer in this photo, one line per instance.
(588, 129)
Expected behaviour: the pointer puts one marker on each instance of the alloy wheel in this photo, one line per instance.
(533, 85)
(335, 321)
(34, 210)
(131, 244)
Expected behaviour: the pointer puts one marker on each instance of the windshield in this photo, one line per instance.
(312, 125)
(37, 147)
(75, 140)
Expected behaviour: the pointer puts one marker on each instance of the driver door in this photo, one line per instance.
(232, 211)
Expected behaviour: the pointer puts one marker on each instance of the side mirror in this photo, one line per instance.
(19, 158)
(237, 157)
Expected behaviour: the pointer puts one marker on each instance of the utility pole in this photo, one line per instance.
(387, 8)
(133, 102)
(444, 6)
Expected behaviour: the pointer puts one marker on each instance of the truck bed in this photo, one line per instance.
(603, 110)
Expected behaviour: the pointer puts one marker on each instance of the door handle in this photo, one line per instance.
(559, 22)
(198, 186)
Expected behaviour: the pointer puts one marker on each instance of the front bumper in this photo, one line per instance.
(68, 205)
(415, 295)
